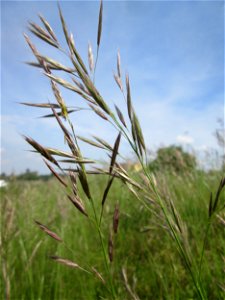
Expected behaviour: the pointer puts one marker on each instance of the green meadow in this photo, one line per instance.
(143, 249)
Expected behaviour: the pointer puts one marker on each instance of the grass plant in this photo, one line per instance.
(109, 259)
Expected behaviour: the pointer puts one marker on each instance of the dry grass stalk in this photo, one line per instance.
(221, 220)
(128, 288)
(6, 280)
(33, 254)
(48, 231)
(98, 275)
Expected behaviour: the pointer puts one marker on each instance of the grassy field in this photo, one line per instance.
(142, 246)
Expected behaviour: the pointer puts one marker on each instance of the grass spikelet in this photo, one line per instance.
(90, 58)
(114, 152)
(81, 87)
(77, 55)
(221, 220)
(48, 231)
(64, 83)
(127, 285)
(55, 174)
(129, 104)
(98, 112)
(73, 178)
(210, 205)
(100, 24)
(42, 105)
(39, 29)
(139, 133)
(56, 64)
(59, 98)
(32, 47)
(98, 275)
(116, 219)
(65, 262)
(118, 64)
(90, 142)
(109, 184)
(65, 31)
(37, 65)
(175, 215)
(65, 131)
(77, 203)
(219, 190)
(60, 114)
(84, 183)
(59, 153)
(119, 82)
(120, 115)
(48, 28)
(40, 149)
(110, 247)
(78, 161)
(103, 142)
(44, 37)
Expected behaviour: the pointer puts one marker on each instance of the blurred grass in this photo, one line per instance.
(154, 269)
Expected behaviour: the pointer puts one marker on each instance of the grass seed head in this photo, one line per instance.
(48, 231)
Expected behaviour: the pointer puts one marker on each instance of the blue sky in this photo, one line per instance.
(173, 51)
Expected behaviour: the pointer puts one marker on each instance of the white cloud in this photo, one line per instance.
(185, 139)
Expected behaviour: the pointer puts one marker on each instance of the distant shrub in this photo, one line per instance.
(173, 159)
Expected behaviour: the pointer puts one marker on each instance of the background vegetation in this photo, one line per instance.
(142, 247)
